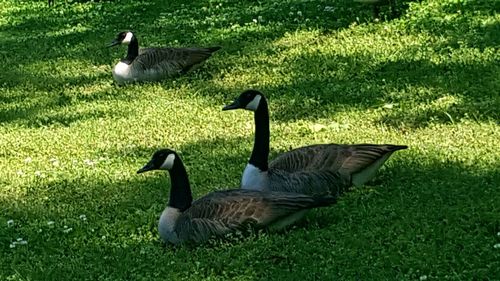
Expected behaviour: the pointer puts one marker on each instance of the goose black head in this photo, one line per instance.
(249, 100)
(162, 159)
(124, 37)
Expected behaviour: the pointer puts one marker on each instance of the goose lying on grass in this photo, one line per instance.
(154, 64)
(313, 170)
(222, 212)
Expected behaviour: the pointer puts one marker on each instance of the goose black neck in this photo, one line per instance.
(132, 52)
(180, 191)
(260, 151)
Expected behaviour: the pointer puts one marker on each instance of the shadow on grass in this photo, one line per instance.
(441, 210)
(62, 102)
(423, 92)
(80, 31)
(352, 81)
(461, 23)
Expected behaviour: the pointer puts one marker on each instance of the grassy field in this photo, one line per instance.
(71, 140)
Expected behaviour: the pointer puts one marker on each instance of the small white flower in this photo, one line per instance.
(40, 230)
(260, 18)
(83, 217)
(423, 277)
(329, 9)
(254, 20)
(20, 173)
(54, 162)
(498, 233)
(290, 14)
(10, 223)
(299, 13)
(38, 174)
(496, 246)
(67, 229)
(22, 242)
(49, 223)
(19, 239)
(103, 237)
(28, 160)
(12, 245)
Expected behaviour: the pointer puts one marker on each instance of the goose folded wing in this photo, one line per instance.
(162, 59)
(347, 159)
(223, 212)
(315, 183)
(362, 156)
(312, 157)
(172, 60)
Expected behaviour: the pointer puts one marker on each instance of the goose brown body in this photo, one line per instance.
(222, 212)
(154, 64)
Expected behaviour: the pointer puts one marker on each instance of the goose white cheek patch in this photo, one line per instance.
(254, 103)
(168, 163)
(127, 38)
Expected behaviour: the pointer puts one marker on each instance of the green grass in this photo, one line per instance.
(71, 140)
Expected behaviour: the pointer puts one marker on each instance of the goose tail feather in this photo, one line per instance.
(214, 49)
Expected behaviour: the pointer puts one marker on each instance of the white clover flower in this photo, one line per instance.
(423, 277)
(89, 162)
(28, 160)
(54, 161)
(83, 217)
(10, 223)
(67, 229)
(50, 223)
(299, 13)
(254, 20)
(19, 241)
(20, 173)
(496, 246)
(498, 233)
(103, 237)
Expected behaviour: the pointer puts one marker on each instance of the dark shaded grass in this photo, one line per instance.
(365, 235)
(364, 82)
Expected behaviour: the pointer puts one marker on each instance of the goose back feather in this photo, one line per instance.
(359, 161)
(223, 212)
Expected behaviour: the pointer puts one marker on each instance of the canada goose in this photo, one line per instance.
(315, 169)
(221, 212)
(153, 64)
